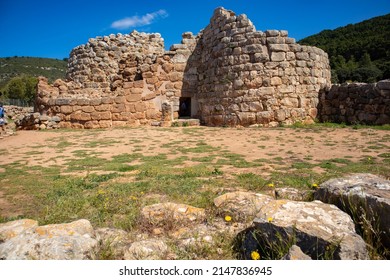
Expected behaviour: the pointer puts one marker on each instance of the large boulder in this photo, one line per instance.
(25, 240)
(366, 198)
(321, 230)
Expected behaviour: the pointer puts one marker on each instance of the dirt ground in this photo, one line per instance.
(45, 148)
(277, 149)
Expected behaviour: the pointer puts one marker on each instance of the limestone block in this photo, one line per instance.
(107, 100)
(255, 48)
(255, 106)
(103, 107)
(101, 115)
(280, 115)
(105, 123)
(120, 99)
(246, 118)
(117, 108)
(275, 81)
(278, 56)
(148, 96)
(138, 84)
(276, 40)
(290, 56)
(95, 102)
(175, 76)
(167, 67)
(66, 109)
(133, 91)
(272, 33)
(129, 71)
(62, 101)
(264, 117)
(92, 125)
(265, 91)
(80, 116)
(278, 47)
(140, 106)
(83, 102)
(302, 56)
(87, 109)
(152, 80)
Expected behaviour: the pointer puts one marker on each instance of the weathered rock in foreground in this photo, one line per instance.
(366, 197)
(295, 253)
(55, 242)
(152, 249)
(320, 230)
(14, 228)
(171, 213)
(241, 206)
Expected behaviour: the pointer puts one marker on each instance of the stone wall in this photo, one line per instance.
(228, 74)
(251, 77)
(117, 80)
(356, 103)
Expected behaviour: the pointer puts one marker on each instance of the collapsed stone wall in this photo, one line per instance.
(356, 103)
(117, 80)
(228, 74)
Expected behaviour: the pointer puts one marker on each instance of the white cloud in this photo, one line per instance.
(135, 21)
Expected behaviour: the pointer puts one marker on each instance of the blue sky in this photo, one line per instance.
(52, 28)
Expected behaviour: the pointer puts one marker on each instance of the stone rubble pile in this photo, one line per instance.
(356, 103)
(35, 121)
(14, 112)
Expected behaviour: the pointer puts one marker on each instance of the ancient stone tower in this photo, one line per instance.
(228, 74)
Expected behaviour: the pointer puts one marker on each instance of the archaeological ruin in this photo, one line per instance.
(227, 75)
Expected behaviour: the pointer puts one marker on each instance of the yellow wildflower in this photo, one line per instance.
(228, 218)
(314, 185)
(255, 255)
(270, 219)
(271, 185)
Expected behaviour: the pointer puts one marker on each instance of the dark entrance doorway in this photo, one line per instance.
(185, 107)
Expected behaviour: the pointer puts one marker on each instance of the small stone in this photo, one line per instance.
(295, 253)
(152, 249)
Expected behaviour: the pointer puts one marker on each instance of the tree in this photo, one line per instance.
(22, 87)
(365, 61)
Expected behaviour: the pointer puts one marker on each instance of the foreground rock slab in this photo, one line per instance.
(55, 242)
(320, 230)
(366, 197)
